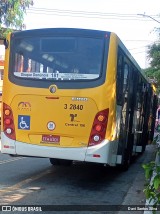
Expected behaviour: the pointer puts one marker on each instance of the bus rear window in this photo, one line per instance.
(51, 45)
(58, 58)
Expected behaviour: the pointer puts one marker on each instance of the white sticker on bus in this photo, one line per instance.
(62, 76)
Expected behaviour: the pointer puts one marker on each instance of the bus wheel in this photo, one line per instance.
(54, 161)
(65, 162)
(58, 162)
(127, 161)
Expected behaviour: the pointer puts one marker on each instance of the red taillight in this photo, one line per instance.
(8, 122)
(99, 127)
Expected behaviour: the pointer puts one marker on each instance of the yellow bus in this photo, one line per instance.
(73, 95)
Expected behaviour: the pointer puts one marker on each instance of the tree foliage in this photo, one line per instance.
(154, 53)
(12, 15)
(153, 72)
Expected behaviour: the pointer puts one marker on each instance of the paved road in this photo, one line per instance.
(33, 181)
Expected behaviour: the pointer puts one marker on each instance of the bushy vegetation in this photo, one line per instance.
(153, 72)
(152, 169)
(12, 15)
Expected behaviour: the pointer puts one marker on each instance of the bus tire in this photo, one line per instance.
(54, 161)
(58, 162)
(126, 161)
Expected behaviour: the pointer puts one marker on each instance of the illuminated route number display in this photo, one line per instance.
(73, 106)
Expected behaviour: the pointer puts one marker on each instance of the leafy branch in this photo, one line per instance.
(12, 15)
(152, 186)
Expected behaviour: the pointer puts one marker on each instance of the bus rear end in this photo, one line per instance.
(56, 100)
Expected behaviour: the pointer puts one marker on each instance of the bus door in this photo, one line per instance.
(127, 114)
(139, 115)
(153, 113)
(147, 114)
(125, 138)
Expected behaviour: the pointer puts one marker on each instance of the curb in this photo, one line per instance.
(135, 196)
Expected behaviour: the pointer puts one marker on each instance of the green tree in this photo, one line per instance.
(12, 15)
(152, 187)
(153, 72)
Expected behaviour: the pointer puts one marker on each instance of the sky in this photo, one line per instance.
(118, 16)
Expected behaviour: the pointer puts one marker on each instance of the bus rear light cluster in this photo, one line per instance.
(8, 124)
(99, 126)
(9, 131)
(7, 121)
(96, 138)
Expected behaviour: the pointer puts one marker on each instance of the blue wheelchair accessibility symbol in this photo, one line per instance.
(24, 122)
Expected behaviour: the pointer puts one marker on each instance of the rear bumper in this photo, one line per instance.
(97, 154)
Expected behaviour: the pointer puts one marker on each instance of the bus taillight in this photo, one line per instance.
(99, 126)
(8, 124)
